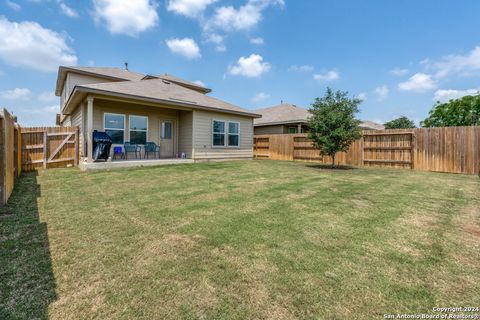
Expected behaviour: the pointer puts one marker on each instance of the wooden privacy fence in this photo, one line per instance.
(9, 164)
(49, 147)
(452, 149)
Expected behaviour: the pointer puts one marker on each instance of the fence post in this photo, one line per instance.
(20, 150)
(2, 160)
(412, 151)
(45, 141)
(76, 156)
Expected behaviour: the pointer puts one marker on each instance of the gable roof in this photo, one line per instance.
(109, 73)
(286, 113)
(160, 91)
(282, 113)
(186, 83)
(118, 74)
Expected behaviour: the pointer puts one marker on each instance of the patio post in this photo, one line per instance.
(89, 128)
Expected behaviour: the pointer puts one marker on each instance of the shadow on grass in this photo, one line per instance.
(27, 284)
(324, 166)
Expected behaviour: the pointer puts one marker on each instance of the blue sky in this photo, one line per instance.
(399, 56)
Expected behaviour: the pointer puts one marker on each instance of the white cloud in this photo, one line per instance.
(399, 72)
(303, 68)
(189, 8)
(13, 5)
(200, 83)
(444, 95)
(331, 75)
(47, 96)
(126, 16)
(68, 11)
(382, 92)
(16, 94)
(261, 96)
(186, 47)
(419, 82)
(252, 66)
(218, 40)
(458, 64)
(362, 96)
(257, 41)
(245, 17)
(30, 45)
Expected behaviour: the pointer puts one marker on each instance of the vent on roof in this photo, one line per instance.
(182, 100)
(165, 81)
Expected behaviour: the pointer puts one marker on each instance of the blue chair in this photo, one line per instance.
(151, 147)
(117, 151)
(132, 148)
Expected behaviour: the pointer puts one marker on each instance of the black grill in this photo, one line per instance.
(101, 146)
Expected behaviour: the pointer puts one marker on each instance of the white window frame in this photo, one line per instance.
(227, 134)
(136, 130)
(162, 130)
(115, 114)
(213, 132)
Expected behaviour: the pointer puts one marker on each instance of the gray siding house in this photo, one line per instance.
(176, 114)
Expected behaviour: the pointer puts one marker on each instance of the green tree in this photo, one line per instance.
(459, 112)
(333, 126)
(400, 123)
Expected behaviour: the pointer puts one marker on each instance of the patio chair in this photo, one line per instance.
(117, 152)
(151, 147)
(132, 148)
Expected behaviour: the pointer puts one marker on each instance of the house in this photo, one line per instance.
(176, 114)
(289, 118)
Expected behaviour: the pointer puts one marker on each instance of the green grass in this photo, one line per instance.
(238, 240)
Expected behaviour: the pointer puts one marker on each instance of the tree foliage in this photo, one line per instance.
(459, 112)
(400, 123)
(333, 126)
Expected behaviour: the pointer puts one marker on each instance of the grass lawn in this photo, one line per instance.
(239, 240)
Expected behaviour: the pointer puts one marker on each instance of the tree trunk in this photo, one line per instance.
(333, 161)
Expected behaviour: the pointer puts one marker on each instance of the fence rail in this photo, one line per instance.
(49, 147)
(451, 149)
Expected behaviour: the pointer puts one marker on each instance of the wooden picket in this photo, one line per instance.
(49, 147)
(452, 149)
(7, 155)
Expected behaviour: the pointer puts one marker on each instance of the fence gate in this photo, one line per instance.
(389, 149)
(49, 147)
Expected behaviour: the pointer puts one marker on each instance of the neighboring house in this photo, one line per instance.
(288, 118)
(177, 115)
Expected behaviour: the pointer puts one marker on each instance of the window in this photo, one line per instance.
(233, 134)
(218, 133)
(292, 129)
(166, 130)
(138, 129)
(114, 125)
(226, 133)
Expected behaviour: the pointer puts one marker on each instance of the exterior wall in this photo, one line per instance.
(155, 116)
(185, 132)
(74, 79)
(67, 122)
(277, 129)
(192, 130)
(203, 148)
(77, 120)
